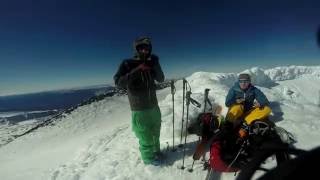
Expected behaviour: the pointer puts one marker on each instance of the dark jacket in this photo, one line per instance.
(140, 85)
(249, 95)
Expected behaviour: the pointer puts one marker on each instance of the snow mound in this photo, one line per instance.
(206, 78)
(260, 78)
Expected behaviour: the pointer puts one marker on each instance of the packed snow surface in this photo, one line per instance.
(96, 141)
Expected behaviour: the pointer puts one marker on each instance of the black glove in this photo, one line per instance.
(240, 100)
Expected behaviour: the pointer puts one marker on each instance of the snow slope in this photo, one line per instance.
(96, 142)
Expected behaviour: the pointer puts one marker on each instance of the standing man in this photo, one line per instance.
(138, 76)
(247, 103)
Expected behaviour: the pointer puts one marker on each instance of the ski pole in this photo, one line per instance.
(239, 152)
(184, 81)
(191, 169)
(206, 92)
(206, 100)
(173, 90)
(188, 94)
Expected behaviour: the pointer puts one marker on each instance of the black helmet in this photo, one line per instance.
(146, 41)
(244, 77)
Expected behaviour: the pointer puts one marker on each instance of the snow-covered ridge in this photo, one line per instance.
(291, 72)
(260, 77)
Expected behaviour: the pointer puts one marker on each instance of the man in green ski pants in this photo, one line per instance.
(138, 76)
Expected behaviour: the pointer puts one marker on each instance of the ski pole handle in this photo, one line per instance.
(195, 103)
(206, 92)
(173, 89)
(188, 97)
(172, 92)
(184, 82)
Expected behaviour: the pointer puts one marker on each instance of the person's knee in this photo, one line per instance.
(235, 112)
(258, 114)
(264, 111)
(237, 108)
(267, 110)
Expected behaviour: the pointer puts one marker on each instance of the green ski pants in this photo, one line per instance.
(146, 125)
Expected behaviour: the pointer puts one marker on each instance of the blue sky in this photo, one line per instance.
(48, 44)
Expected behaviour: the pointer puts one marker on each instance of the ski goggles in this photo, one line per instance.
(244, 81)
(143, 47)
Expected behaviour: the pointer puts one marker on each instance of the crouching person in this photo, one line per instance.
(246, 104)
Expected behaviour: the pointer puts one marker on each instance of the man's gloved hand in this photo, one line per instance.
(243, 131)
(239, 141)
(256, 104)
(144, 67)
(141, 67)
(240, 100)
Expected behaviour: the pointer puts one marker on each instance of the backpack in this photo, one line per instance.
(228, 154)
